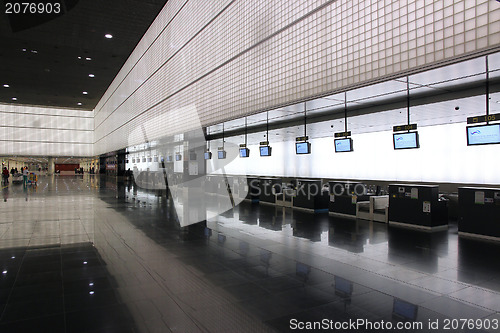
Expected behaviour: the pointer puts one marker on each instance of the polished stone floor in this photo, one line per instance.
(90, 254)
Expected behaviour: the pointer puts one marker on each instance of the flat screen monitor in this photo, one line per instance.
(244, 152)
(406, 140)
(192, 156)
(404, 309)
(178, 157)
(169, 158)
(342, 145)
(221, 154)
(483, 135)
(265, 151)
(303, 148)
(208, 155)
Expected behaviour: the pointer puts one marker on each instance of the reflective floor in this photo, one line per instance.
(88, 254)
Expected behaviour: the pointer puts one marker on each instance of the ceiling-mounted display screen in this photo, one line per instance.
(406, 140)
(342, 145)
(302, 148)
(221, 154)
(265, 150)
(208, 155)
(169, 158)
(178, 157)
(483, 135)
(244, 152)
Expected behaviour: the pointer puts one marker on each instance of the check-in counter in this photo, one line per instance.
(344, 198)
(417, 207)
(311, 196)
(268, 189)
(285, 197)
(253, 186)
(479, 212)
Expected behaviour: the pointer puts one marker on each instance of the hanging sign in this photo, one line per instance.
(400, 128)
(483, 118)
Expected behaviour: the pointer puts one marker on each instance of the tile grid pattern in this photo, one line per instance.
(339, 45)
(37, 131)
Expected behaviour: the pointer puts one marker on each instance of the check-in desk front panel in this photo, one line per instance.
(343, 197)
(253, 189)
(417, 206)
(479, 212)
(310, 195)
(268, 188)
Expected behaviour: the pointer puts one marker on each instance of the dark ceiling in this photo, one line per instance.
(41, 63)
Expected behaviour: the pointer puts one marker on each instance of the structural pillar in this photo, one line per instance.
(51, 166)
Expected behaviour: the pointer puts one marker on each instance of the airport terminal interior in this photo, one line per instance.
(250, 166)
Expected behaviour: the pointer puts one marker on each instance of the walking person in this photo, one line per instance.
(25, 176)
(5, 174)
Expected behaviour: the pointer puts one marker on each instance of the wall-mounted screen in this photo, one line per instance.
(208, 155)
(303, 148)
(169, 158)
(244, 152)
(483, 135)
(265, 150)
(406, 140)
(221, 154)
(178, 157)
(342, 145)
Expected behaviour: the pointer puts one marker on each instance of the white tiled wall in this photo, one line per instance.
(230, 58)
(33, 131)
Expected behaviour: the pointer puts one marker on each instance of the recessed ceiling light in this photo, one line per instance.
(85, 93)
(24, 50)
(79, 57)
(88, 58)
(108, 35)
(91, 75)
(6, 86)
(79, 103)
(14, 98)
(34, 51)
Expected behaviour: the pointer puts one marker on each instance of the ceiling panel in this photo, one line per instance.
(41, 64)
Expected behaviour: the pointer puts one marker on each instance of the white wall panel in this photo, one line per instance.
(37, 131)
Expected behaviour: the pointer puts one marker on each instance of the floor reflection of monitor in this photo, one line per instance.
(221, 238)
(343, 286)
(302, 270)
(265, 256)
(403, 310)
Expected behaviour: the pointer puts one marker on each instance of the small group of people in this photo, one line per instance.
(6, 174)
